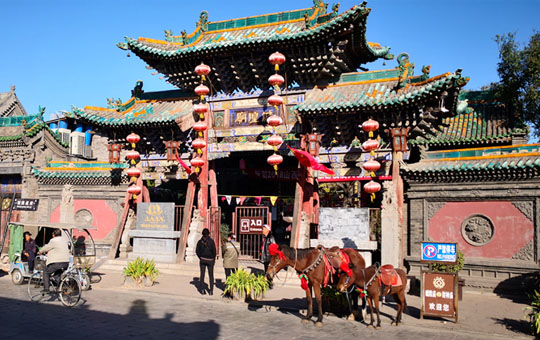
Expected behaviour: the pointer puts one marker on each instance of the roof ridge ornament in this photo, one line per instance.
(203, 21)
(406, 69)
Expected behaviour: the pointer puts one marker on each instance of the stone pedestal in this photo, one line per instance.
(155, 237)
(159, 246)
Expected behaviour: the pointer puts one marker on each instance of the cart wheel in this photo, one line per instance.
(70, 291)
(17, 277)
(85, 282)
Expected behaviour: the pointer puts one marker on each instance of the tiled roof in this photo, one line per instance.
(479, 164)
(10, 104)
(282, 28)
(32, 126)
(481, 119)
(318, 46)
(83, 173)
(374, 91)
(135, 112)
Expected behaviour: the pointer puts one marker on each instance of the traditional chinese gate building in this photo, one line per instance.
(422, 120)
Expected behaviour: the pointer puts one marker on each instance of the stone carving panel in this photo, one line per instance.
(526, 208)
(84, 217)
(526, 253)
(433, 208)
(477, 230)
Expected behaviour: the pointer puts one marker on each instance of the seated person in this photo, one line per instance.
(29, 251)
(58, 255)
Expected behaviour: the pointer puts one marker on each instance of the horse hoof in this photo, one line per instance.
(370, 326)
(351, 317)
(378, 327)
(318, 324)
(306, 321)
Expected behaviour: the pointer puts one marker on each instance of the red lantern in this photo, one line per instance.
(199, 143)
(370, 145)
(276, 58)
(370, 125)
(274, 120)
(200, 108)
(275, 159)
(202, 69)
(133, 138)
(134, 172)
(274, 140)
(200, 126)
(276, 79)
(133, 155)
(202, 90)
(197, 162)
(372, 187)
(134, 190)
(371, 165)
(275, 100)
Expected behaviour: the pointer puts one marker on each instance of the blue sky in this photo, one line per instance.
(63, 53)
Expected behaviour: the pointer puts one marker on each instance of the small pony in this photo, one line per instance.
(374, 282)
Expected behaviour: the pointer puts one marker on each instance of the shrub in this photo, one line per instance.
(534, 312)
(245, 284)
(452, 268)
(141, 269)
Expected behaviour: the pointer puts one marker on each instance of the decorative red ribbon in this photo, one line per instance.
(345, 260)
(273, 249)
(303, 281)
(184, 165)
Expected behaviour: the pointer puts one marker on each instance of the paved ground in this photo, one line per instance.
(174, 310)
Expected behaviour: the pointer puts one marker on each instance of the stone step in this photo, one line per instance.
(192, 270)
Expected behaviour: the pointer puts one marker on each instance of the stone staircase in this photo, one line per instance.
(192, 269)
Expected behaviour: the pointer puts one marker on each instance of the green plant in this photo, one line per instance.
(452, 268)
(534, 312)
(245, 284)
(141, 269)
(224, 231)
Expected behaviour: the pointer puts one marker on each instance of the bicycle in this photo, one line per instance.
(68, 288)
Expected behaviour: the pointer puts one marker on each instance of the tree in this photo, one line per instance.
(519, 73)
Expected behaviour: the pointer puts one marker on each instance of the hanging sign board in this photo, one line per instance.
(436, 252)
(439, 295)
(25, 204)
(251, 225)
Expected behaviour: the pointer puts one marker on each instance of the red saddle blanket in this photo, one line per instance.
(389, 276)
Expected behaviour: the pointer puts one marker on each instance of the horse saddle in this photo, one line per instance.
(389, 276)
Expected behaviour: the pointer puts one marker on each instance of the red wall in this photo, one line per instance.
(512, 230)
(104, 217)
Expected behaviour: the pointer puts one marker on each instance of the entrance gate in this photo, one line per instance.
(250, 235)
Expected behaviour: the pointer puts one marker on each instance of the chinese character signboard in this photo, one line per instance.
(251, 225)
(435, 252)
(25, 204)
(439, 292)
(155, 216)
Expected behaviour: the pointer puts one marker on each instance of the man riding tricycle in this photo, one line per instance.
(23, 263)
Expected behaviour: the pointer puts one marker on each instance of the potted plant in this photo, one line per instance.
(243, 284)
(141, 272)
(534, 312)
(453, 268)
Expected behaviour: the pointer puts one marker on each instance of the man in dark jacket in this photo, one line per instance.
(206, 251)
(268, 239)
(29, 252)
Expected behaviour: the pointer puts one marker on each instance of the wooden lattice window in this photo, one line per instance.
(114, 152)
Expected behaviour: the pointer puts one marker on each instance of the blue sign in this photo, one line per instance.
(439, 252)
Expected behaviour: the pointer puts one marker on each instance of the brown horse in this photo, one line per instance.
(355, 260)
(368, 280)
(312, 263)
